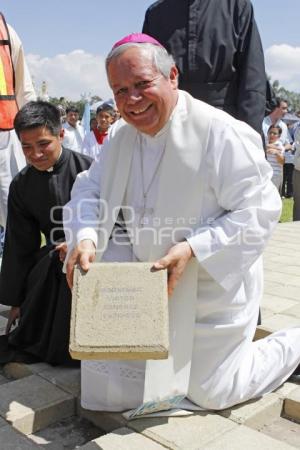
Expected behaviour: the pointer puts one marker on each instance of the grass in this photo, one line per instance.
(287, 210)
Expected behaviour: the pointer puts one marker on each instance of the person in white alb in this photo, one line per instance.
(74, 132)
(16, 90)
(196, 194)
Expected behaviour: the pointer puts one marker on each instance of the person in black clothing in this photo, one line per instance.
(31, 279)
(218, 51)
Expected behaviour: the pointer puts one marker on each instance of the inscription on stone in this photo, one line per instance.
(119, 311)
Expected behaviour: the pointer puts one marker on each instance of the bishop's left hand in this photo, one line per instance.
(175, 262)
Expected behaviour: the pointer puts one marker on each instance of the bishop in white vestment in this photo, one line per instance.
(197, 198)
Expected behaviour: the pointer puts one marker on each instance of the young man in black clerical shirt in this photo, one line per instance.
(31, 279)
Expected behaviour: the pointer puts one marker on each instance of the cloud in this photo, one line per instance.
(283, 64)
(70, 75)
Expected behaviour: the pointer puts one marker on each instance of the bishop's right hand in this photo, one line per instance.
(83, 254)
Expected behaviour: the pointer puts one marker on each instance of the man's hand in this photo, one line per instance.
(84, 254)
(175, 262)
(62, 249)
(14, 314)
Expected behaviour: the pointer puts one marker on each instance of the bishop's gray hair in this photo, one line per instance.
(161, 59)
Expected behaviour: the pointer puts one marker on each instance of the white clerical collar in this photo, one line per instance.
(164, 129)
(52, 168)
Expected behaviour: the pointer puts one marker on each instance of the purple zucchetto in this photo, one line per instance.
(138, 38)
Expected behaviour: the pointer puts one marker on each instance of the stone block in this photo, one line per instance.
(119, 311)
(122, 439)
(244, 438)
(2, 423)
(277, 304)
(281, 290)
(67, 378)
(261, 332)
(19, 370)
(291, 407)
(183, 433)
(280, 321)
(33, 403)
(10, 439)
(293, 311)
(285, 390)
(107, 421)
(255, 413)
(3, 380)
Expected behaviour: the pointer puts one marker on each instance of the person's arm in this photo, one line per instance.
(22, 241)
(81, 219)
(24, 87)
(240, 178)
(250, 66)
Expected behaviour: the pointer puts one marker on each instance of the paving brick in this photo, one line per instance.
(291, 407)
(19, 370)
(183, 433)
(3, 380)
(122, 439)
(246, 439)
(261, 332)
(255, 413)
(33, 403)
(107, 421)
(66, 378)
(2, 422)
(286, 279)
(281, 290)
(265, 312)
(277, 304)
(280, 321)
(10, 439)
(285, 390)
(293, 311)
(106, 320)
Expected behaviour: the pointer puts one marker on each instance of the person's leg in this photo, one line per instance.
(264, 366)
(289, 181)
(296, 188)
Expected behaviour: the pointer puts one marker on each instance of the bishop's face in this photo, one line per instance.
(40, 147)
(144, 97)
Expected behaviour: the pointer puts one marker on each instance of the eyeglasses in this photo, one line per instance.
(273, 133)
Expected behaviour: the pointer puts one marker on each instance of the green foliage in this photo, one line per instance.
(287, 210)
(293, 98)
(79, 104)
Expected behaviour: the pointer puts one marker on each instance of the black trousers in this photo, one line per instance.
(287, 184)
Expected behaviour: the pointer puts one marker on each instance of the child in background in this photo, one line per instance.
(93, 141)
(275, 154)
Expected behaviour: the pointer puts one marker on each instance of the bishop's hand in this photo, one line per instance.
(175, 262)
(83, 254)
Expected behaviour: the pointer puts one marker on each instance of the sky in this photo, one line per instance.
(66, 41)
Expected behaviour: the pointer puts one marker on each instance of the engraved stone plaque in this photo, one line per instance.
(119, 311)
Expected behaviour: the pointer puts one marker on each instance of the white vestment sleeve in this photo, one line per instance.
(240, 180)
(81, 213)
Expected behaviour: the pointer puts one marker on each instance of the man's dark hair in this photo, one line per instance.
(106, 107)
(279, 100)
(38, 114)
(72, 108)
(277, 127)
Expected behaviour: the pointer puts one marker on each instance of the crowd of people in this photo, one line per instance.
(196, 184)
